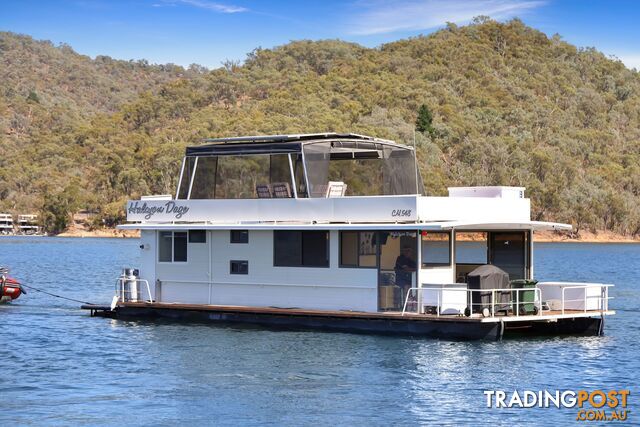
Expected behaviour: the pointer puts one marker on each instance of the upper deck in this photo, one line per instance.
(329, 179)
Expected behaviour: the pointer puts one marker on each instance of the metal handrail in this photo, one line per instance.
(470, 304)
(603, 297)
(121, 291)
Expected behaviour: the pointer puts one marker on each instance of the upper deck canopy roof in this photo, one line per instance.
(350, 144)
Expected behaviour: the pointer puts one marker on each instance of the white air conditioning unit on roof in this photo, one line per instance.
(491, 192)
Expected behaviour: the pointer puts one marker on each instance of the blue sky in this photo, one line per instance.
(208, 32)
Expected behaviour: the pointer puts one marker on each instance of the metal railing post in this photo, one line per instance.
(517, 303)
(493, 303)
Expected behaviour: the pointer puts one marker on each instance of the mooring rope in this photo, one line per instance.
(54, 295)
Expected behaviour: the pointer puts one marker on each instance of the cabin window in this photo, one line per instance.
(471, 248)
(301, 248)
(239, 236)
(197, 236)
(436, 248)
(358, 249)
(165, 246)
(238, 267)
(471, 251)
(172, 246)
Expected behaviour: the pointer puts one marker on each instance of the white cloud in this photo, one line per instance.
(205, 4)
(378, 17)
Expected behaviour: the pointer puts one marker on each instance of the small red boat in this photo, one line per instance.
(10, 288)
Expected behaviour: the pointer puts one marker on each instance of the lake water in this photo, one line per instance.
(62, 367)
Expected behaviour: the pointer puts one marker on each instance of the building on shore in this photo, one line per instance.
(28, 224)
(6, 223)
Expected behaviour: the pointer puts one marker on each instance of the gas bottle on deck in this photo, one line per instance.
(130, 278)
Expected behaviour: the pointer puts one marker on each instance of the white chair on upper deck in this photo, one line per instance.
(336, 189)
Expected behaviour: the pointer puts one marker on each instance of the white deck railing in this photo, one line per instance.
(594, 296)
(128, 290)
(588, 301)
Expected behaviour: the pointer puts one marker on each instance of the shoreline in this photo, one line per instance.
(539, 237)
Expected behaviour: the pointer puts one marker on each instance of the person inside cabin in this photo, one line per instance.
(405, 266)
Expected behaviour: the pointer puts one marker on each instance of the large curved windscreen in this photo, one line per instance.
(323, 169)
(237, 177)
(316, 159)
(364, 169)
(399, 171)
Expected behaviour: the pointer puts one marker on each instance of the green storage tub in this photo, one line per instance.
(523, 296)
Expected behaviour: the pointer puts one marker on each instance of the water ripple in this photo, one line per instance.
(65, 368)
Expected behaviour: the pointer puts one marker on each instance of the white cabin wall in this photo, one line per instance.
(330, 288)
(185, 282)
(478, 209)
(147, 266)
(206, 277)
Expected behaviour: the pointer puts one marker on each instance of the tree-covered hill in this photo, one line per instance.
(510, 106)
(46, 91)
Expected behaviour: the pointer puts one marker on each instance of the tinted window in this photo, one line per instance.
(287, 248)
(509, 253)
(204, 180)
(180, 246)
(165, 242)
(239, 267)
(471, 248)
(314, 249)
(301, 248)
(197, 236)
(436, 248)
(239, 236)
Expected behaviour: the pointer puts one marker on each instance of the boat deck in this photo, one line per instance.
(391, 322)
(548, 315)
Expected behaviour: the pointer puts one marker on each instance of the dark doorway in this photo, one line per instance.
(508, 252)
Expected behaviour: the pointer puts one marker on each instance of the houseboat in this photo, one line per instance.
(28, 224)
(333, 231)
(6, 224)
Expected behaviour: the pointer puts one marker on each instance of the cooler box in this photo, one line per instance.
(452, 298)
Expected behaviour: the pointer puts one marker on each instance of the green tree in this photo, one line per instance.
(424, 121)
(58, 209)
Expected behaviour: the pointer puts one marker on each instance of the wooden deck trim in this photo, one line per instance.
(547, 316)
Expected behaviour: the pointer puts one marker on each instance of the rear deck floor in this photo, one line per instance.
(547, 315)
(454, 327)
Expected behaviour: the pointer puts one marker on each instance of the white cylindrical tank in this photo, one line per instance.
(131, 291)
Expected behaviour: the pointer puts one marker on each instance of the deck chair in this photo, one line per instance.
(281, 190)
(263, 191)
(336, 189)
